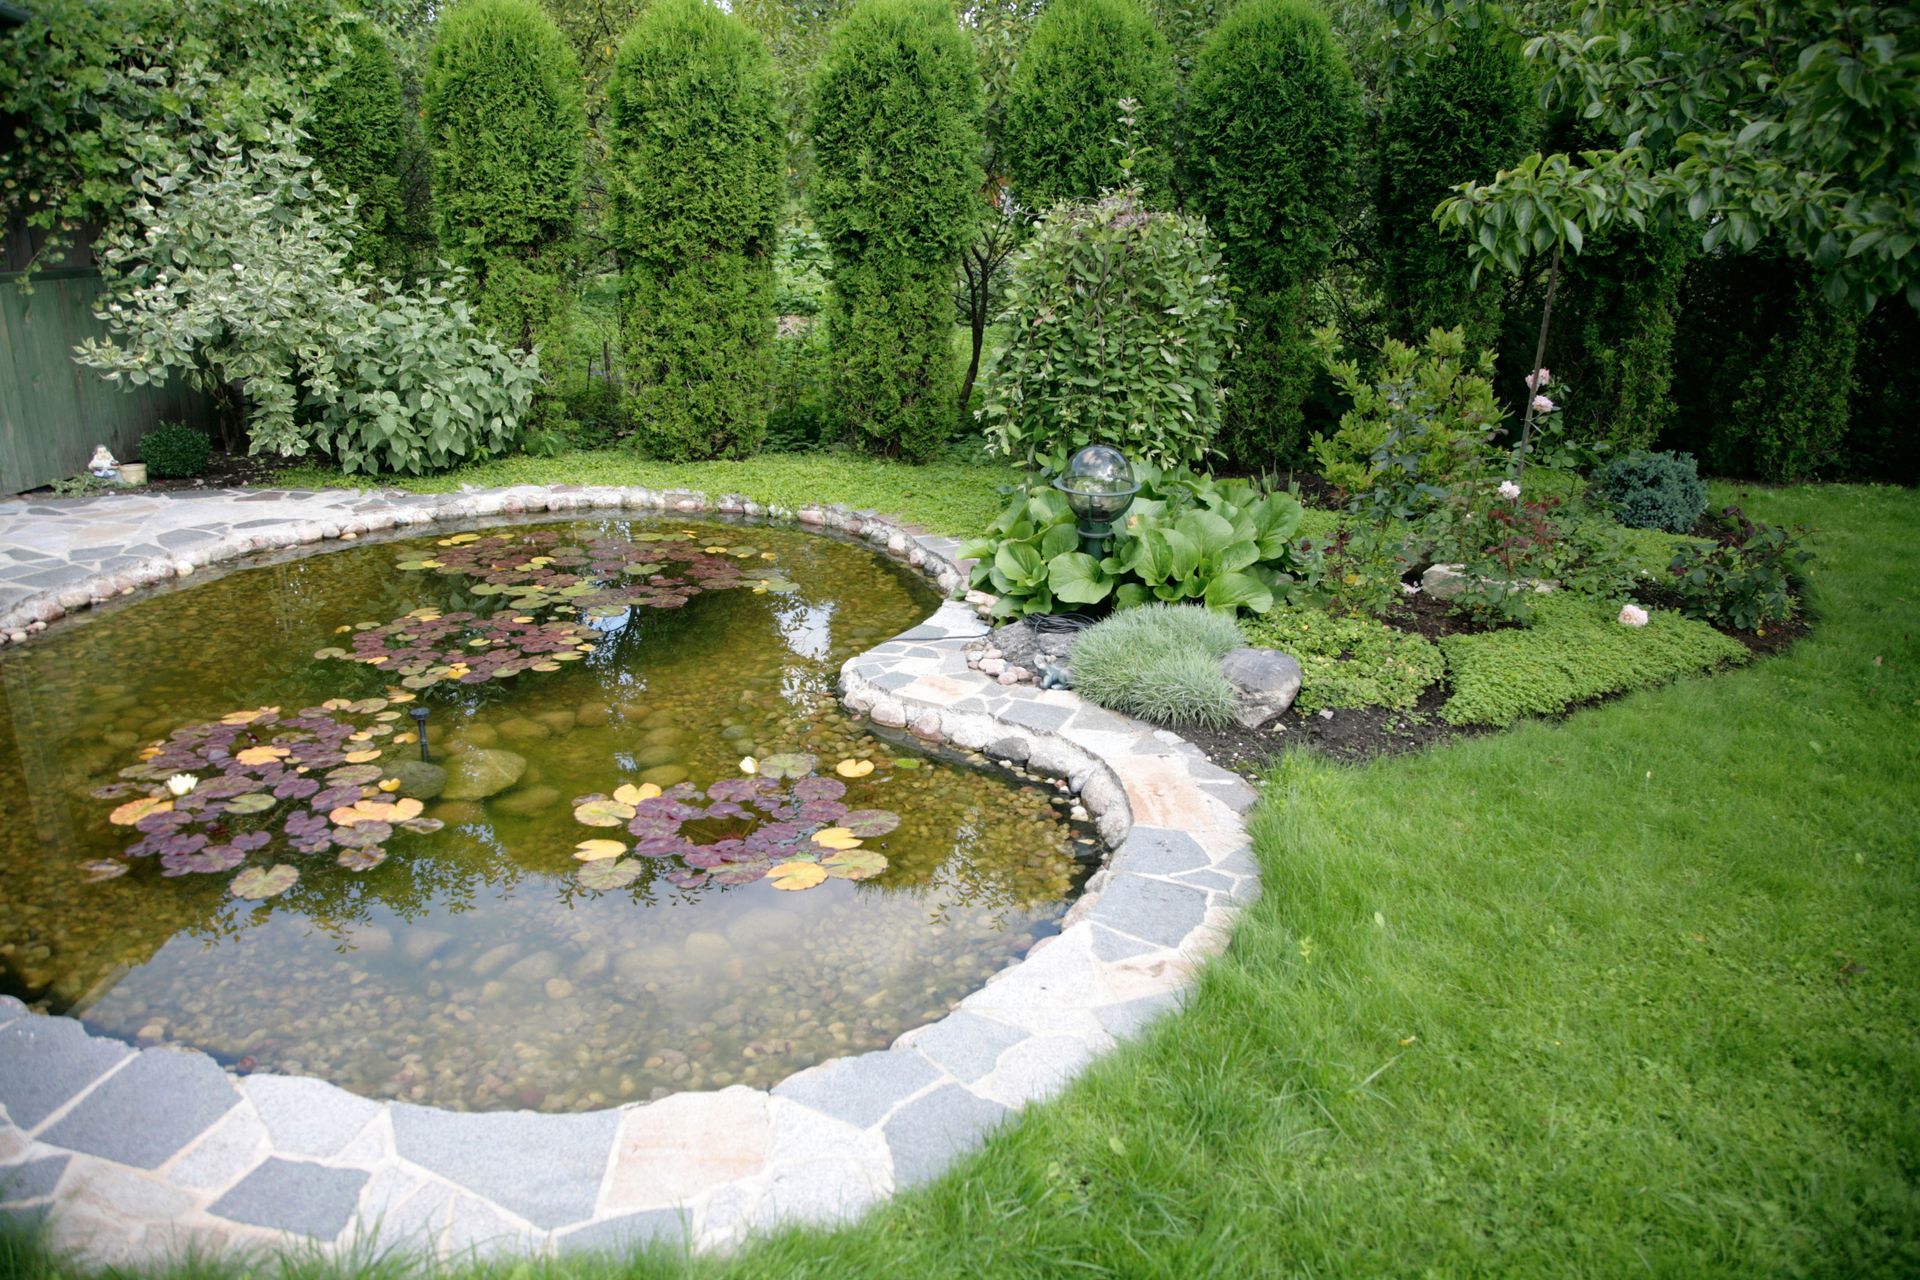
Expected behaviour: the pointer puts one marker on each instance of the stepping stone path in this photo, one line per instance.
(133, 1156)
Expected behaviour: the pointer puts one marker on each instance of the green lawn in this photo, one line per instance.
(955, 498)
(1634, 993)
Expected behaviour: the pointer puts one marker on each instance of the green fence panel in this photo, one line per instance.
(53, 412)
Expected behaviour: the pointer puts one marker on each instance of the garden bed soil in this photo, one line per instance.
(224, 471)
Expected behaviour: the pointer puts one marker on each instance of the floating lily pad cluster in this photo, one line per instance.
(546, 585)
(214, 794)
(780, 823)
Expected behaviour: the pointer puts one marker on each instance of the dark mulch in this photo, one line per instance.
(1425, 616)
(1352, 735)
(1775, 637)
(224, 471)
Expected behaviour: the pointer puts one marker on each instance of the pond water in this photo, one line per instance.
(649, 851)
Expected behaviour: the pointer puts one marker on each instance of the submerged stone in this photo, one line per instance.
(477, 774)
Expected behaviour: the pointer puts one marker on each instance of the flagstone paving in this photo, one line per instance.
(134, 1155)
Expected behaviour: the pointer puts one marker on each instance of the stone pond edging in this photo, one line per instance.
(132, 1155)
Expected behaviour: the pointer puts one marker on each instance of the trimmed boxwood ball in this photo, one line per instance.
(1272, 119)
(1653, 490)
(507, 122)
(1161, 663)
(1062, 138)
(175, 451)
(696, 151)
(895, 193)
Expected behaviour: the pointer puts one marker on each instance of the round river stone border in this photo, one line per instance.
(133, 1155)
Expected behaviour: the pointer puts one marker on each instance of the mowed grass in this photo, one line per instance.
(1637, 993)
(956, 498)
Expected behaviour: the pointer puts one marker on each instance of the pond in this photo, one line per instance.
(648, 851)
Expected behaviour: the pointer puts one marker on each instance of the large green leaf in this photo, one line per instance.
(1077, 579)
(1231, 591)
(1020, 564)
(1058, 541)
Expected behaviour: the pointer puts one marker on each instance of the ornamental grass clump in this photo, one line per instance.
(1161, 663)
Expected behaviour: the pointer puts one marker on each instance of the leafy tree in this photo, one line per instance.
(505, 118)
(361, 134)
(1118, 332)
(1272, 114)
(696, 145)
(796, 33)
(98, 94)
(897, 145)
(1059, 141)
(233, 269)
(1784, 123)
(1464, 110)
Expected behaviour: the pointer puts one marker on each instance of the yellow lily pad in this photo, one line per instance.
(598, 850)
(836, 838)
(796, 875)
(603, 813)
(627, 793)
(134, 810)
(854, 768)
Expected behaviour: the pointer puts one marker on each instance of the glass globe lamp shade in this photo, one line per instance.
(1098, 484)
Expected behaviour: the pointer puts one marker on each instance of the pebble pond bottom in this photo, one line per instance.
(649, 852)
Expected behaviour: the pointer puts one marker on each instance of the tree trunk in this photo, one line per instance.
(1539, 354)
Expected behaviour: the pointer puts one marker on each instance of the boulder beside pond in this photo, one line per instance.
(1265, 683)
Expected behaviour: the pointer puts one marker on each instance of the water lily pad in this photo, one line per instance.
(355, 775)
(807, 790)
(791, 764)
(854, 864)
(796, 875)
(362, 859)
(252, 802)
(99, 869)
(846, 768)
(388, 811)
(627, 793)
(598, 850)
(256, 883)
(603, 813)
(423, 826)
(867, 823)
(361, 757)
(906, 762)
(836, 838)
(133, 810)
(609, 875)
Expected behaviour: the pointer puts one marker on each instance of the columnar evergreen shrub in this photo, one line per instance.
(1272, 115)
(895, 192)
(695, 150)
(360, 132)
(1118, 331)
(1462, 114)
(1611, 345)
(1060, 139)
(506, 122)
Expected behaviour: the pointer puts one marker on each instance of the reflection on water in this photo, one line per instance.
(471, 969)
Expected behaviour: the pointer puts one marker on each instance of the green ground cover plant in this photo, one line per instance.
(1160, 662)
(1349, 660)
(1631, 992)
(1573, 649)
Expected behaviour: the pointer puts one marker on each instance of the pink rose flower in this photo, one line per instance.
(1542, 405)
(1509, 490)
(1633, 615)
(1538, 379)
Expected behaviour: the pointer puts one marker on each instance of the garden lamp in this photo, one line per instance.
(419, 715)
(1098, 484)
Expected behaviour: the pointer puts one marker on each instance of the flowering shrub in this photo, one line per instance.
(1746, 578)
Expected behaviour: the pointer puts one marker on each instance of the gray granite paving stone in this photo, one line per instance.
(308, 1117)
(11, 1010)
(31, 1180)
(24, 1219)
(633, 1231)
(1108, 945)
(1206, 878)
(291, 1195)
(966, 1044)
(1126, 1019)
(1045, 719)
(46, 1061)
(929, 1132)
(490, 1152)
(148, 1110)
(1152, 910)
(1160, 851)
(860, 1090)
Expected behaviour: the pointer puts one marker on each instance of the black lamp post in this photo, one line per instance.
(1099, 486)
(419, 714)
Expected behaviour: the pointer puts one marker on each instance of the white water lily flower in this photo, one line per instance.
(181, 783)
(749, 765)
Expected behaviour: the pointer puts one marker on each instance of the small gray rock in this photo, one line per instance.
(1265, 683)
(477, 774)
(419, 779)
